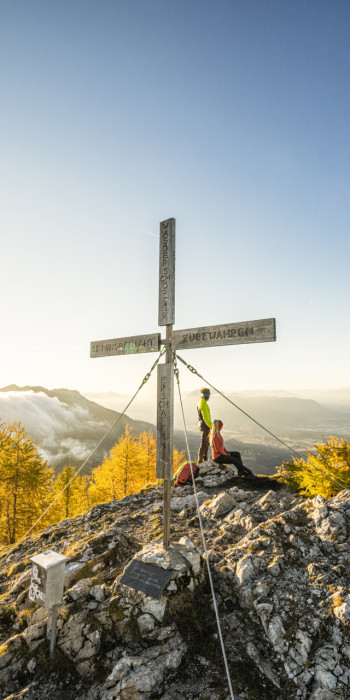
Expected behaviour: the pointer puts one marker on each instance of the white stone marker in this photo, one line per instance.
(47, 584)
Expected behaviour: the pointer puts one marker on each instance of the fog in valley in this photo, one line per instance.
(66, 426)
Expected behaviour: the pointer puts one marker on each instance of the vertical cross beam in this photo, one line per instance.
(165, 377)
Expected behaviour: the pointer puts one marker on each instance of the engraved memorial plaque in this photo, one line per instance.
(147, 578)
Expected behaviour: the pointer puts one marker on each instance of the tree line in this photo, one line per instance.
(28, 485)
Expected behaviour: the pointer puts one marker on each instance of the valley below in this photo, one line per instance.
(66, 426)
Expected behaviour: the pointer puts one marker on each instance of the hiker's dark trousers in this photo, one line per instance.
(204, 446)
(233, 458)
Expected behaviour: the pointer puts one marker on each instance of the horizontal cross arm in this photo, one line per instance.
(125, 346)
(260, 331)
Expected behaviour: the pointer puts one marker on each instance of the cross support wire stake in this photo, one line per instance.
(236, 333)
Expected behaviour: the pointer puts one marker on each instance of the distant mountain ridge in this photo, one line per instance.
(299, 422)
(65, 425)
(280, 412)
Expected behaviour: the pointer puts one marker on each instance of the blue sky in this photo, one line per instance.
(232, 117)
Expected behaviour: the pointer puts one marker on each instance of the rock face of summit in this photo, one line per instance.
(280, 569)
(64, 424)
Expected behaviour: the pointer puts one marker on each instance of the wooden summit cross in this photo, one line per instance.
(261, 331)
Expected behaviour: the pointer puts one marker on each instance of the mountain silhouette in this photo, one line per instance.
(65, 425)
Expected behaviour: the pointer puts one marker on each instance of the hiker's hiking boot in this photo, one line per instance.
(248, 474)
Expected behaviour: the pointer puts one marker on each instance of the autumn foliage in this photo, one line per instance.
(28, 485)
(130, 467)
(309, 476)
(25, 483)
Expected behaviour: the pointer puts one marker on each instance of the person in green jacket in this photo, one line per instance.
(204, 424)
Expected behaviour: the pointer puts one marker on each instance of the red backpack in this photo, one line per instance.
(183, 475)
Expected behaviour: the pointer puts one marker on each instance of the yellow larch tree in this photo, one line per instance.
(119, 474)
(148, 453)
(25, 483)
(74, 498)
(178, 458)
(130, 466)
(148, 449)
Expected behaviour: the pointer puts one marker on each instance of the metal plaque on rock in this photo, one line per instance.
(147, 578)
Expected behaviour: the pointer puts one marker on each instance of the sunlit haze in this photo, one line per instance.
(232, 117)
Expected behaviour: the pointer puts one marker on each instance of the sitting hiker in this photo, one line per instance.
(221, 456)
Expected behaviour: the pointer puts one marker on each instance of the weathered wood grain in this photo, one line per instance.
(125, 346)
(166, 308)
(261, 331)
(165, 420)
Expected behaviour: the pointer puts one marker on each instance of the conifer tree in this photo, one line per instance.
(119, 474)
(178, 458)
(148, 450)
(86, 499)
(25, 483)
(331, 458)
(129, 468)
(74, 499)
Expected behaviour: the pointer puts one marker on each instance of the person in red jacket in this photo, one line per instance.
(221, 456)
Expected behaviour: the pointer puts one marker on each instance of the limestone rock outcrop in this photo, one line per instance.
(280, 570)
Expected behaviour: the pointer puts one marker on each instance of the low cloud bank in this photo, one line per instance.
(63, 434)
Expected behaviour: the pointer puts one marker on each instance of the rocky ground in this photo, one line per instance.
(280, 568)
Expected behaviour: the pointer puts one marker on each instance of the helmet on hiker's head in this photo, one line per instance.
(205, 392)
